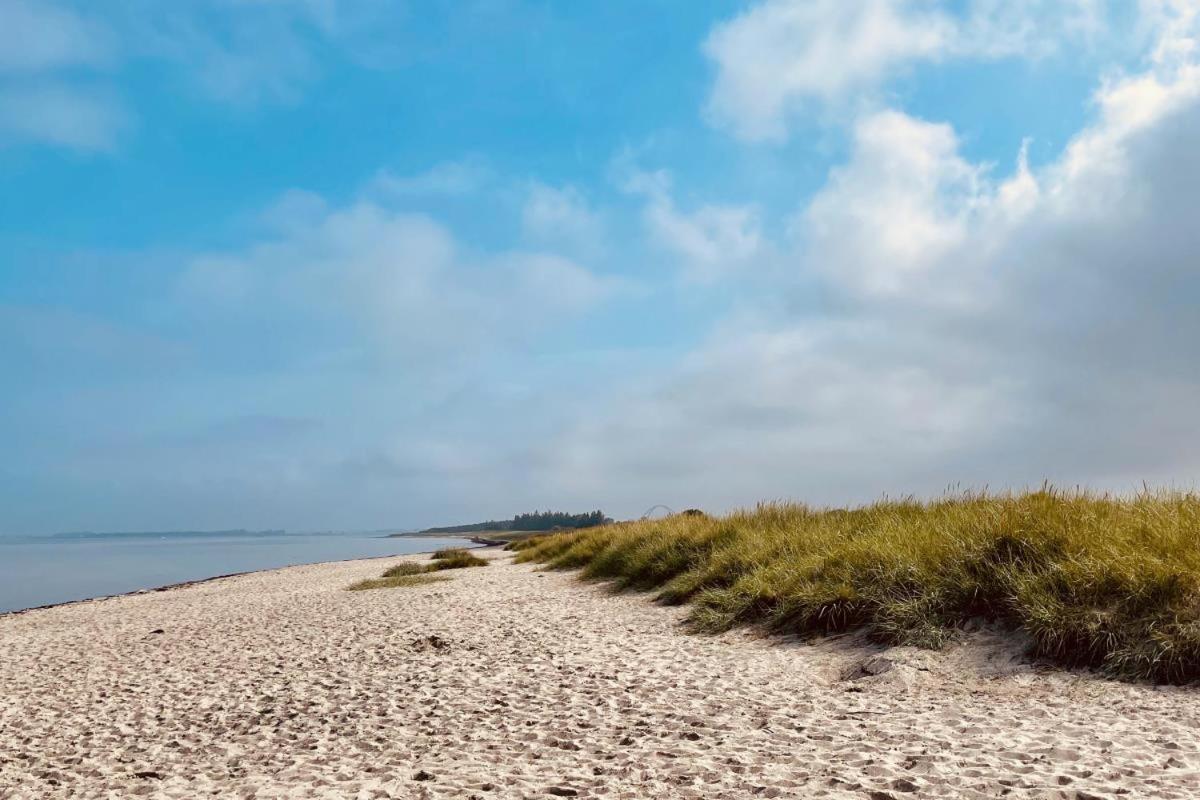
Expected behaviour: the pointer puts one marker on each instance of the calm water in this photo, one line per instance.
(40, 570)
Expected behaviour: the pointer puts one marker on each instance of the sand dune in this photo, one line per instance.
(508, 683)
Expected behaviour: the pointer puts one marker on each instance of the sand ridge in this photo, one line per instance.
(508, 683)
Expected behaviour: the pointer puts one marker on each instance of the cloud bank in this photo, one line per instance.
(977, 330)
(465, 339)
(781, 58)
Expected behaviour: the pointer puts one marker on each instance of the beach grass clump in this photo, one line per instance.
(526, 542)
(408, 573)
(455, 558)
(397, 582)
(405, 568)
(1096, 581)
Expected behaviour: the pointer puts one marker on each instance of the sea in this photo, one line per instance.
(57, 568)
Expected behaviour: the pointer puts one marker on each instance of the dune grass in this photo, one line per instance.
(397, 582)
(405, 568)
(447, 553)
(455, 558)
(1098, 581)
(409, 573)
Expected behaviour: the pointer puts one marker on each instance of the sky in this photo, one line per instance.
(362, 264)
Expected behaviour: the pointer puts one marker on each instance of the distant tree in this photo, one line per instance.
(532, 521)
(474, 527)
(548, 520)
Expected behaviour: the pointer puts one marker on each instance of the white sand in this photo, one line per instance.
(282, 684)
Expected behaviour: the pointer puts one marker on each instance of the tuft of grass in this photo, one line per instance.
(1098, 581)
(524, 543)
(448, 552)
(397, 582)
(455, 558)
(405, 568)
(408, 573)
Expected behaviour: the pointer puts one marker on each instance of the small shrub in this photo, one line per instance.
(397, 582)
(448, 552)
(406, 568)
(455, 558)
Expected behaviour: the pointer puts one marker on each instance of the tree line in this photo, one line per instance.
(531, 521)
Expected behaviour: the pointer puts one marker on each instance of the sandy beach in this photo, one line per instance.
(510, 682)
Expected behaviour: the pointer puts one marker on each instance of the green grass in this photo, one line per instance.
(455, 558)
(1096, 581)
(397, 582)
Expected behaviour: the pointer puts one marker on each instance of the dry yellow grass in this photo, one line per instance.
(455, 558)
(396, 582)
(1099, 581)
(408, 573)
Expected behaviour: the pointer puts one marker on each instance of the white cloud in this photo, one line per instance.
(59, 60)
(974, 330)
(244, 54)
(781, 58)
(62, 115)
(907, 186)
(396, 283)
(1028, 28)
(447, 179)
(257, 52)
(823, 413)
(40, 36)
(712, 241)
(1176, 23)
(39, 42)
(783, 52)
(562, 216)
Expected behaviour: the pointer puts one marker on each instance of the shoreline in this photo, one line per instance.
(166, 587)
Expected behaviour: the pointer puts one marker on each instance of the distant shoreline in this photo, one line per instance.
(493, 539)
(197, 581)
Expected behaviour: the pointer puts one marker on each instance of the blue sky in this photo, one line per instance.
(358, 264)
